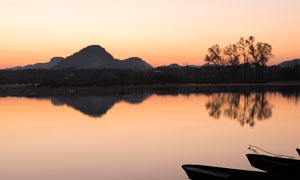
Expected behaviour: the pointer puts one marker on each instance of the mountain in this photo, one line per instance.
(48, 65)
(133, 63)
(90, 57)
(170, 66)
(96, 57)
(174, 66)
(289, 64)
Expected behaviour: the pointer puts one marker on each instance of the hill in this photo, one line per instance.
(289, 64)
(48, 65)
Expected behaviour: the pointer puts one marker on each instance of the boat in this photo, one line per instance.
(298, 150)
(273, 164)
(201, 172)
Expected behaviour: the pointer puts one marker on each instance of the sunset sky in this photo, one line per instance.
(158, 31)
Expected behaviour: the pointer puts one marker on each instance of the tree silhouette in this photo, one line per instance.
(246, 51)
(251, 52)
(232, 56)
(264, 53)
(214, 55)
(243, 49)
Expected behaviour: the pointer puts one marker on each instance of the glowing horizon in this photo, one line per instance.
(159, 32)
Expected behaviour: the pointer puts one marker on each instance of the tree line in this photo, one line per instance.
(186, 74)
(245, 51)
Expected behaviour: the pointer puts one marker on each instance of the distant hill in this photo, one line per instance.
(90, 57)
(170, 66)
(133, 63)
(289, 64)
(175, 66)
(48, 65)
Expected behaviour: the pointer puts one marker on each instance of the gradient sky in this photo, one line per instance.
(158, 31)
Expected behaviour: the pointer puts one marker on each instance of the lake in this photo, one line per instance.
(133, 133)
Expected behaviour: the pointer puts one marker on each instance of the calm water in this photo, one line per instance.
(141, 133)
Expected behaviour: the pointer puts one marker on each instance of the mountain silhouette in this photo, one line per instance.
(48, 65)
(96, 57)
(133, 63)
(90, 57)
(289, 64)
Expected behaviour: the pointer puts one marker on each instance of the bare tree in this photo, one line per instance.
(232, 56)
(264, 53)
(243, 49)
(214, 55)
(252, 51)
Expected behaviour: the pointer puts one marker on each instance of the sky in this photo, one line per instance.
(158, 31)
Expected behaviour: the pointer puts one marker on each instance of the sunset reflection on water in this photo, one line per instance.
(149, 139)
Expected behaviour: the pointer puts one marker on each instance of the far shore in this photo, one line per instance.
(273, 83)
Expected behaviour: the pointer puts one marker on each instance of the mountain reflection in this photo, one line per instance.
(94, 106)
(98, 105)
(246, 108)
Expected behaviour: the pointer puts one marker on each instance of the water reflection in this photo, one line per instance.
(246, 104)
(97, 105)
(245, 108)
(165, 128)
(94, 106)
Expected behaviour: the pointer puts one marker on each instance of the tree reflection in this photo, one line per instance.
(245, 108)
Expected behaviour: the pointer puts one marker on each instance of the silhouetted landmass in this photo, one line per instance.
(290, 64)
(91, 57)
(94, 66)
(48, 65)
(186, 74)
(246, 104)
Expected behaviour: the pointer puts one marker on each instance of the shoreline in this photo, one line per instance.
(272, 83)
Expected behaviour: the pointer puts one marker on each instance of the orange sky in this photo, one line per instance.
(158, 31)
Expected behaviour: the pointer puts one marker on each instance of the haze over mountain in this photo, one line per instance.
(91, 57)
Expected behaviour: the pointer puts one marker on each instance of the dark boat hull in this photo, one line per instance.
(274, 164)
(298, 150)
(200, 172)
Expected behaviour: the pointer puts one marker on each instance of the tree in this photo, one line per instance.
(243, 49)
(232, 56)
(252, 51)
(259, 52)
(214, 55)
(264, 53)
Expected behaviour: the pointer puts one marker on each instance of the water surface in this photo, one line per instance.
(141, 133)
